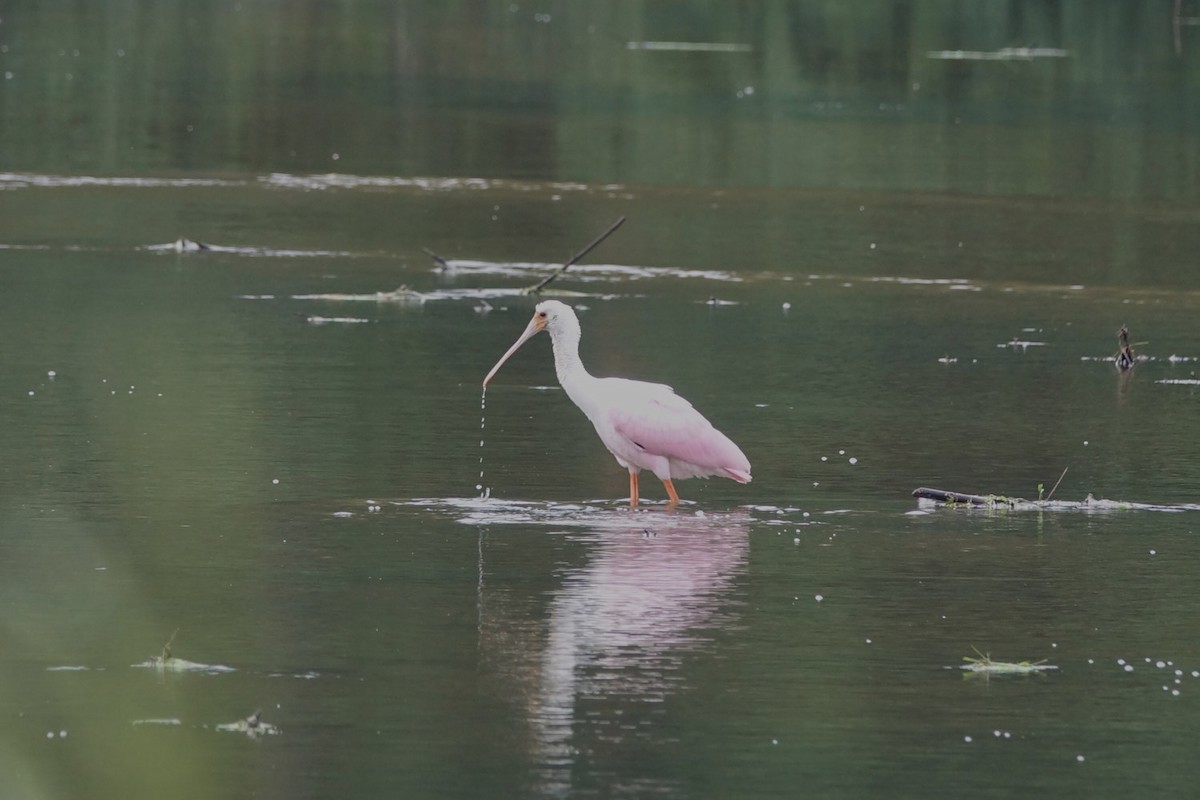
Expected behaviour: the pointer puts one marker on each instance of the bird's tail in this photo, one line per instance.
(739, 475)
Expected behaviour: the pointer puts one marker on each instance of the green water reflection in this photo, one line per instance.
(298, 498)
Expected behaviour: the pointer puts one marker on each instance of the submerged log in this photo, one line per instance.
(947, 499)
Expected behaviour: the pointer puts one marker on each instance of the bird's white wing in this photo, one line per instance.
(664, 424)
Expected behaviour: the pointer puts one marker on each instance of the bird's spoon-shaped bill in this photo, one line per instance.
(534, 327)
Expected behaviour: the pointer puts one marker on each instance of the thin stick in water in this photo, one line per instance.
(537, 287)
(1057, 482)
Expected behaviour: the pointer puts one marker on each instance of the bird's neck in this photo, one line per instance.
(570, 370)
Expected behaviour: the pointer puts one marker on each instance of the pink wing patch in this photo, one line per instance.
(664, 424)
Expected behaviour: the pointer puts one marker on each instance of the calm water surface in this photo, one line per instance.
(876, 271)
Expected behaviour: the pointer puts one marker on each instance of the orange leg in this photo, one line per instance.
(633, 490)
(671, 493)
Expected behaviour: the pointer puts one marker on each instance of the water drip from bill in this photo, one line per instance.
(484, 492)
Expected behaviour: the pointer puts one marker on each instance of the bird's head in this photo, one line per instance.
(549, 315)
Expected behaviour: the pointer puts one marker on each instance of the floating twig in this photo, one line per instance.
(537, 287)
(984, 663)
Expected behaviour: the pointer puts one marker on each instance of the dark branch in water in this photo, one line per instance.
(537, 287)
(1124, 351)
(443, 262)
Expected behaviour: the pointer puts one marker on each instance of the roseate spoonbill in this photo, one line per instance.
(644, 425)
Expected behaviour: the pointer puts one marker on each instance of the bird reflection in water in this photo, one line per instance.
(593, 668)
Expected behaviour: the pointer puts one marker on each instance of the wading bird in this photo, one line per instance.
(644, 425)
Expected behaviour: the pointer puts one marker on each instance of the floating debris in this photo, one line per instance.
(940, 498)
(983, 662)
(335, 320)
(169, 721)
(253, 726)
(1003, 54)
(692, 47)
(402, 295)
(189, 246)
(1019, 344)
(182, 665)
(168, 663)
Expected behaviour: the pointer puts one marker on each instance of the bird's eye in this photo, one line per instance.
(542, 314)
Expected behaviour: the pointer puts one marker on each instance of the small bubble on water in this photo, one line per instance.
(968, 739)
(31, 392)
(1175, 693)
(1080, 758)
(52, 374)
(1153, 552)
(1160, 664)
(275, 481)
(824, 458)
(853, 460)
(868, 641)
(1129, 667)
(818, 597)
(841, 452)
(1121, 661)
